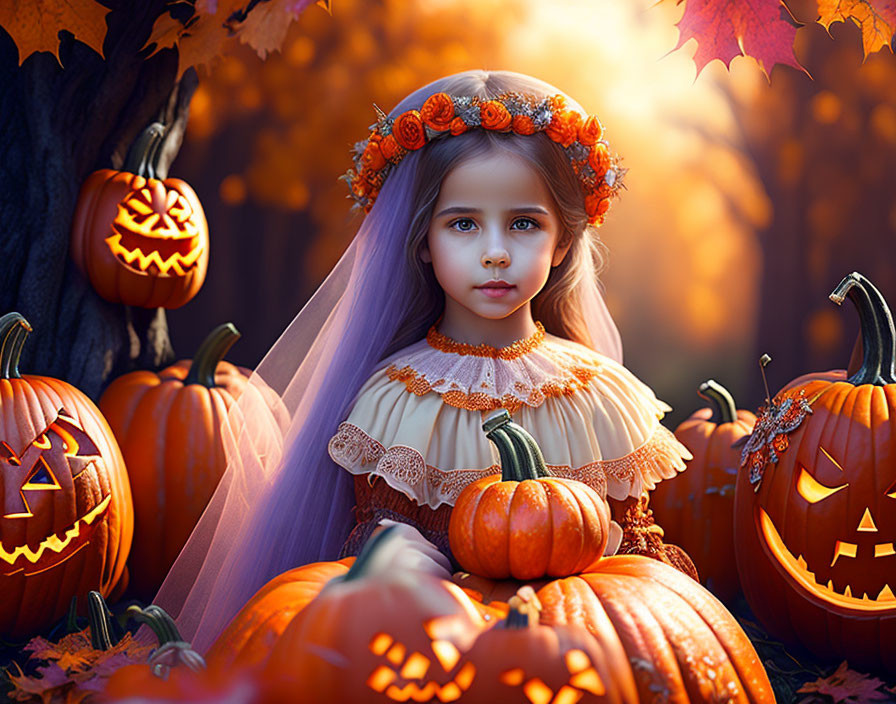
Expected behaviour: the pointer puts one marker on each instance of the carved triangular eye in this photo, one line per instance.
(75, 441)
(812, 490)
(41, 477)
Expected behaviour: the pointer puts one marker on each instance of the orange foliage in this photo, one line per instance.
(34, 25)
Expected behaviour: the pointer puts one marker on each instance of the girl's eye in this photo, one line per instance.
(525, 224)
(463, 225)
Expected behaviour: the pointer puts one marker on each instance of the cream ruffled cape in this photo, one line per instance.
(417, 422)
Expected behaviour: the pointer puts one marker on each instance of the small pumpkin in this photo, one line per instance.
(815, 525)
(522, 660)
(523, 523)
(170, 425)
(695, 508)
(140, 241)
(681, 642)
(379, 633)
(66, 517)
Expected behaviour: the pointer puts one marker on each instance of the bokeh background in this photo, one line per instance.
(748, 199)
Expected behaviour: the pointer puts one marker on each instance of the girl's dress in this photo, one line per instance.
(414, 439)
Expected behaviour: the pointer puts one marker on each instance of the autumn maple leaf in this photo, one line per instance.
(846, 686)
(34, 25)
(724, 29)
(877, 20)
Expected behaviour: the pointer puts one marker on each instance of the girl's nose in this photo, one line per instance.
(495, 253)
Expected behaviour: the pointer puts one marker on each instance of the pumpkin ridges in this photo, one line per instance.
(529, 531)
(735, 643)
(565, 546)
(491, 526)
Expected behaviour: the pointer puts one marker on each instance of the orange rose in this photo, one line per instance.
(494, 116)
(438, 112)
(595, 205)
(564, 128)
(408, 130)
(373, 158)
(389, 148)
(522, 124)
(590, 131)
(599, 158)
(458, 126)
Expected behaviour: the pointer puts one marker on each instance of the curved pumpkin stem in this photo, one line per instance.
(210, 353)
(878, 335)
(142, 153)
(722, 402)
(374, 551)
(98, 621)
(159, 621)
(496, 430)
(13, 331)
(532, 464)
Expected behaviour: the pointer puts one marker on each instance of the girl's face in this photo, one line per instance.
(493, 238)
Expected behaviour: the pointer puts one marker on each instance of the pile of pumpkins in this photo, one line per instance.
(540, 617)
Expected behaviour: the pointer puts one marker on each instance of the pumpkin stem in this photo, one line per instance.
(527, 462)
(371, 553)
(496, 430)
(878, 335)
(98, 615)
(210, 353)
(13, 331)
(143, 150)
(525, 609)
(723, 408)
(159, 621)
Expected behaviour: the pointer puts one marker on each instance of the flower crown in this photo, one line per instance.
(443, 115)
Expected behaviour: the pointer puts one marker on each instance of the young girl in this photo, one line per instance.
(470, 286)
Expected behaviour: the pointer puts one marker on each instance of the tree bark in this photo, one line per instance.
(58, 124)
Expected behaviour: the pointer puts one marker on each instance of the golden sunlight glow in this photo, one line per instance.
(812, 490)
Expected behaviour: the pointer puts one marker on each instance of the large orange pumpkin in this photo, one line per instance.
(681, 642)
(248, 639)
(815, 509)
(140, 240)
(696, 508)
(379, 634)
(169, 425)
(66, 520)
(523, 523)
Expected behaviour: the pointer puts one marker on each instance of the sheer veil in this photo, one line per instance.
(282, 502)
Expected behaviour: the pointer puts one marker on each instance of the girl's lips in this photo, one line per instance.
(496, 289)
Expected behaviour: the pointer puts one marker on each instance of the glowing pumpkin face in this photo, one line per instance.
(815, 541)
(66, 517)
(380, 633)
(39, 482)
(140, 240)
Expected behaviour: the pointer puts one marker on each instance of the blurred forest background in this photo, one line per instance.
(747, 200)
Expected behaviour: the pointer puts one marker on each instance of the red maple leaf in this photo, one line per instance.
(847, 686)
(724, 29)
(34, 25)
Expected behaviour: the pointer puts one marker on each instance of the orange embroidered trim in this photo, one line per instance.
(354, 450)
(444, 343)
(417, 384)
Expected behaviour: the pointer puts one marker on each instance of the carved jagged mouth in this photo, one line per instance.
(57, 550)
(168, 257)
(798, 570)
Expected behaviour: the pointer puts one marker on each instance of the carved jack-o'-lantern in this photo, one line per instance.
(815, 509)
(380, 634)
(66, 518)
(140, 240)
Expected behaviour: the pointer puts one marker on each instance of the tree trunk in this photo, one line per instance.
(58, 125)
